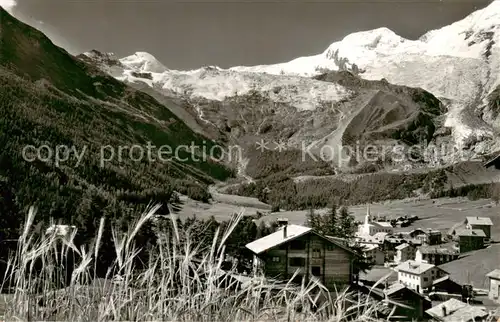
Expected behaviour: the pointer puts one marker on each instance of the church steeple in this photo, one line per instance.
(367, 217)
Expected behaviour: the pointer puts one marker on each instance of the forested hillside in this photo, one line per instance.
(47, 97)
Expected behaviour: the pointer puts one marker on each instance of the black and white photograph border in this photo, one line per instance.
(200, 160)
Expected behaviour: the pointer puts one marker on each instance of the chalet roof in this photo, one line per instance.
(414, 267)
(368, 248)
(376, 274)
(439, 249)
(471, 233)
(455, 310)
(402, 246)
(277, 238)
(442, 279)
(415, 231)
(384, 224)
(396, 287)
(292, 232)
(339, 240)
(494, 274)
(480, 221)
(380, 236)
(393, 288)
(421, 231)
(398, 240)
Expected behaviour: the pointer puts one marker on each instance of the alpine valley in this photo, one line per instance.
(372, 87)
(436, 97)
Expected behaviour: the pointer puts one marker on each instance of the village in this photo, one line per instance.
(410, 274)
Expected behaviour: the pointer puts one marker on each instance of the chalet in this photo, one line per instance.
(418, 276)
(300, 249)
(414, 303)
(404, 252)
(374, 254)
(494, 285)
(391, 242)
(437, 254)
(470, 239)
(395, 303)
(454, 310)
(429, 236)
(446, 284)
(483, 223)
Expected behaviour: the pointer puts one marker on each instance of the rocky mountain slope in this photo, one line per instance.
(419, 104)
(326, 115)
(458, 64)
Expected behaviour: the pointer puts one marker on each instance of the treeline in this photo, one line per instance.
(34, 114)
(263, 164)
(284, 193)
(472, 192)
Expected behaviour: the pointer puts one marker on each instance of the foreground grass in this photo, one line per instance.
(179, 284)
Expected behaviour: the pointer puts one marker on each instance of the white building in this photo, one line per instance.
(418, 276)
(377, 239)
(370, 228)
(374, 254)
(494, 289)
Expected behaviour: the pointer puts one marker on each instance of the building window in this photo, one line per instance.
(426, 279)
(330, 247)
(297, 245)
(316, 270)
(316, 253)
(276, 259)
(297, 261)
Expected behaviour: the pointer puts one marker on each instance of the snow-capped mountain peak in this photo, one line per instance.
(471, 37)
(373, 38)
(458, 63)
(143, 62)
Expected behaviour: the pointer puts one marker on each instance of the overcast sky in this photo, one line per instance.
(190, 34)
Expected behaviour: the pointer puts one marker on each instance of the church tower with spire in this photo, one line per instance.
(367, 217)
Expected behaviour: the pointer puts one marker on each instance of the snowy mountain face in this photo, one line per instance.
(459, 64)
(216, 84)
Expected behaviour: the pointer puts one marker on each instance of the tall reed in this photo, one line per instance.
(180, 283)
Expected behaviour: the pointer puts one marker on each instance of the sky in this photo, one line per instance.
(189, 34)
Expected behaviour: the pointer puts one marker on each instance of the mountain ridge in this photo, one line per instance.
(457, 63)
(53, 100)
